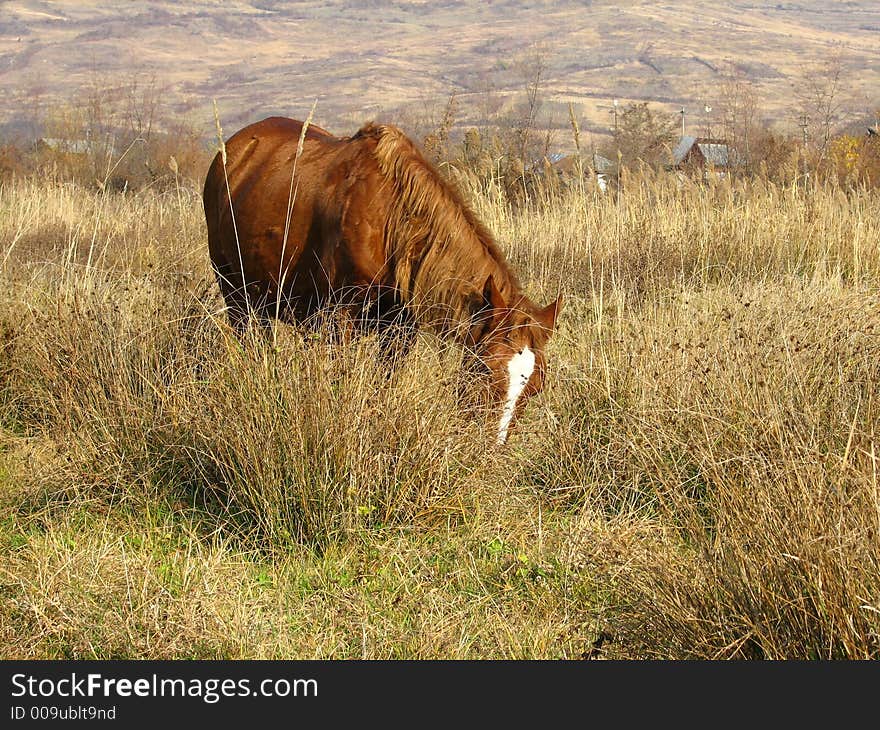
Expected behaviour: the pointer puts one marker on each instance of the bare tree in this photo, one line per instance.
(533, 70)
(142, 104)
(119, 133)
(738, 110)
(435, 134)
(488, 103)
(643, 134)
(818, 90)
(35, 105)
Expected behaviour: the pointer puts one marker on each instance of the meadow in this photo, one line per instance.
(698, 480)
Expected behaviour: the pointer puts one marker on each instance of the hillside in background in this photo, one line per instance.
(402, 60)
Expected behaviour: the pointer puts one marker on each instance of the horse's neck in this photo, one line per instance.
(441, 267)
(469, 303)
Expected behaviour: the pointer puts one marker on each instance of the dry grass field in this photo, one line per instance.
(700, 478)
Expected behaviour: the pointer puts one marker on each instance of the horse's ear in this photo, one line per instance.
(547, 316)
(491, 296)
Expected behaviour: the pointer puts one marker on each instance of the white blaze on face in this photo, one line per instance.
(519, 370)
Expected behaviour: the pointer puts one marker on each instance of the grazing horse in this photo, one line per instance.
(299, 219)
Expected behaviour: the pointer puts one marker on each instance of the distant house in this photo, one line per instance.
(70, 146)
(566, 167)
(702, 153)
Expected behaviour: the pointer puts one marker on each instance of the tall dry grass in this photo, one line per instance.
(698, 480)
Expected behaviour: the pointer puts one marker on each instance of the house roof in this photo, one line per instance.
(715, 152)
(719, 155)
(77, 146)
(566, 163)
(601, 164)
(682, 148)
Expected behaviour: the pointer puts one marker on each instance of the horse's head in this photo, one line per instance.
(508, 341)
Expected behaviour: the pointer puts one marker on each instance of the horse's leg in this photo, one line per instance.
(381, 313)
(233, 293)
(396, 335)
(242, 307)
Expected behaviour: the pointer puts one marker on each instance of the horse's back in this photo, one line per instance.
(277, 130)
(262, 148)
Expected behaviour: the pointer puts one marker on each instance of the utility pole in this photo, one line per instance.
(803, 125)
(616, 140)
(682, 121)
(708, 110)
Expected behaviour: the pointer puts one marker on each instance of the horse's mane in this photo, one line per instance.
(440, 253)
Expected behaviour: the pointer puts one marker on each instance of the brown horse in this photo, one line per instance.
(367, 223)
